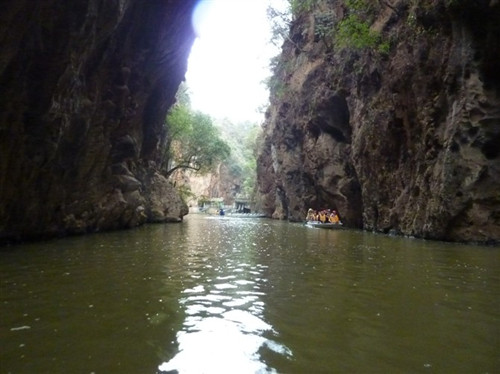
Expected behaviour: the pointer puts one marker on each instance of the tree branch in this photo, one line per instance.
(181, 166)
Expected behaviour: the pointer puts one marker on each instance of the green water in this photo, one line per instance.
(215, 295)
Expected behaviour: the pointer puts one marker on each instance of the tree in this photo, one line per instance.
(250, 161)
(193, 142)
(280, 24)
(242, 138)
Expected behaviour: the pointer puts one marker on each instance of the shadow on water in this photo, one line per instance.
(219, 295)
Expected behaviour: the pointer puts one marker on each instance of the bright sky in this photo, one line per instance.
(230, 58)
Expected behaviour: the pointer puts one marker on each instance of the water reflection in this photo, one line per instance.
(238, 296)
(224, 330)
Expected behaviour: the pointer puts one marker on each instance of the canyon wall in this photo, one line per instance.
(220, 183)
(85, 87)
(400, 135)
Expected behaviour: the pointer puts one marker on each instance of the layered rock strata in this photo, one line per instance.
(85, 87)
(404, 139)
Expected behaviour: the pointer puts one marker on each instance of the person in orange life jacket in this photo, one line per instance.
(322, 216)
(334, 218)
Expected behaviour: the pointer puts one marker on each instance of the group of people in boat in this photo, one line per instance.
(323, 216)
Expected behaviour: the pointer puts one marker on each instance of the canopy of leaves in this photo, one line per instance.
(193, 142)
(242, 138)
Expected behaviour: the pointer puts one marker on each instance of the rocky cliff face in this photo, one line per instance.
(220, 183)
(85, 86)
(400, 136)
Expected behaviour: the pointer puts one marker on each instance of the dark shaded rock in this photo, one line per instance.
(124, 148)
(127, 183)
(85, 87)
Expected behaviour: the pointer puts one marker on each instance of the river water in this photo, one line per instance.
(220, 295)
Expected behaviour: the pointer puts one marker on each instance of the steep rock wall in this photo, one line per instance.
(85, 86)
(220, 183)
(406, 141)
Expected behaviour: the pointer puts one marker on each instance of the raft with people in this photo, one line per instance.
(324, 219)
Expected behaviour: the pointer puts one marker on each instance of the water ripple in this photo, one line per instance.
(224, 330)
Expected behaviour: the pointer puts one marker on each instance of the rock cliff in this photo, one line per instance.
(220, 183)
(85, 87)
(396, 125)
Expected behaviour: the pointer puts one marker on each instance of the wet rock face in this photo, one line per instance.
(406, 142)
(85, 86)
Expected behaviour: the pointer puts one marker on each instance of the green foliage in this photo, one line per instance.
(203, 199)
(276, 82)
(242, 138)
(384, 47)
(354, 33)
(360, 6)
(351, 32)
(354, 30)
(300, 6)
(276, 86)
(323, 25)
(250, 161)
(185, 193)
(196, 142)
(193, 141)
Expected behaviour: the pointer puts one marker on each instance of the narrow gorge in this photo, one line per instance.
(388, 111)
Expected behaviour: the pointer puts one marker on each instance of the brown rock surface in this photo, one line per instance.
(220, 183)
(85, 86)
(406, 142)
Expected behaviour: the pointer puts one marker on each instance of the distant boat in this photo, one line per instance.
(326, 225)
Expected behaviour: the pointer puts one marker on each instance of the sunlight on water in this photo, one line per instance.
(228, 343)
(224, 330)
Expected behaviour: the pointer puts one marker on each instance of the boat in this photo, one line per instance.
(326, 225)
